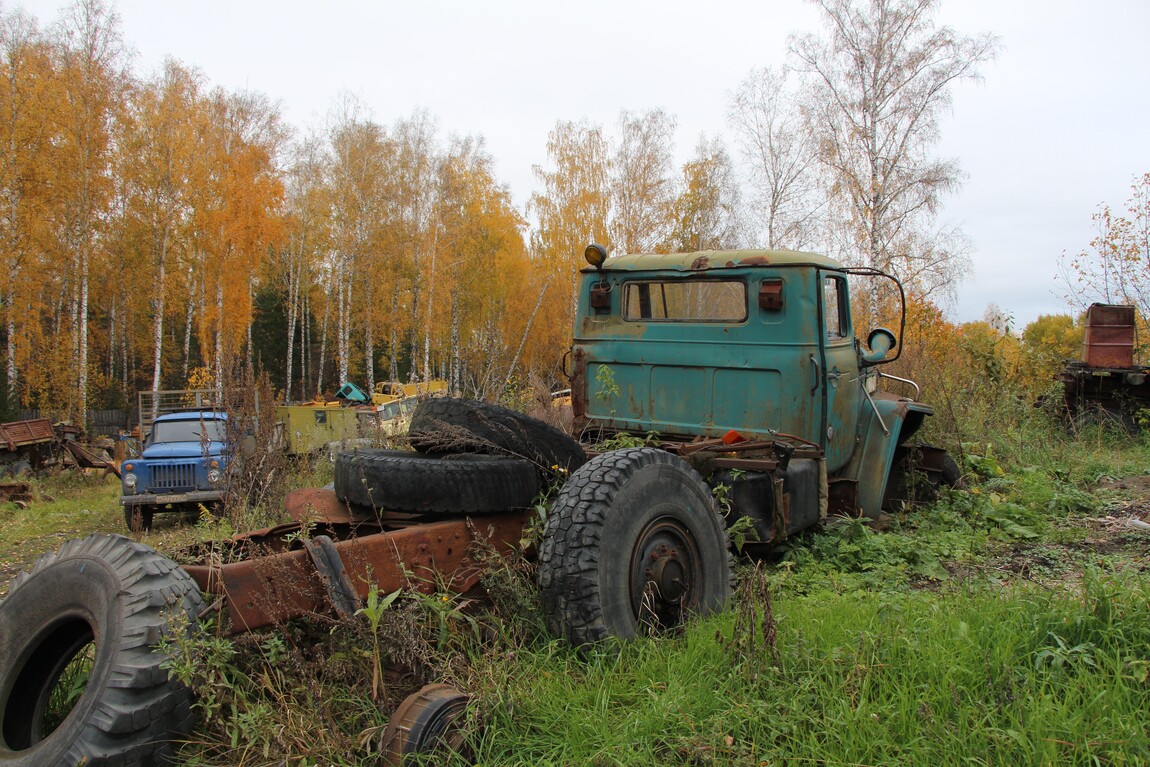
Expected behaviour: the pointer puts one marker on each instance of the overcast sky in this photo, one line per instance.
(1057, 126)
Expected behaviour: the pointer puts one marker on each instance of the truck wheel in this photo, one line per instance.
(951, 475)
(400, 480)
(138, 518)
(80, 680)
(913, 480)
(446, 425)
(633, 543)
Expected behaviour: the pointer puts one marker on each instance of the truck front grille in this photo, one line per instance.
(177, 476)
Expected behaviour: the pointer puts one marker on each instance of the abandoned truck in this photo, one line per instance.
(183, 463)
(736, 374)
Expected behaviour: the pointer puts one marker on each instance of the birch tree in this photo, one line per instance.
(781, 154)
(707, 211)
(308, 202)
(414, 173)
(881, 76)
(572, 208)
(483, 261)
(356, 175)
(642, 181)
(159, 154)
(1115, 269)
(93, 67)
(29, 96)
(237, 216)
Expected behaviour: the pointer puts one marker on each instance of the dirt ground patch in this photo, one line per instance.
(1118, 537)
(1137, 485)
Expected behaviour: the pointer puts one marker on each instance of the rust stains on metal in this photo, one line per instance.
(901, 403)
(16, 434)
(19, 492)
(579, 388)
(702, 262)
(318, 505)
(86, 459)
(276, 587)
(1109, 336)
(341, 591)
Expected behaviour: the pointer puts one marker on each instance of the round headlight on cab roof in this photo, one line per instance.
(595, 254)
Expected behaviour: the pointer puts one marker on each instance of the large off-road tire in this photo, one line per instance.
(633, 543)
(447, 425)
(400, 480)
(107, 599)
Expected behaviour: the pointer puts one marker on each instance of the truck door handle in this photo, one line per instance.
(815, 368)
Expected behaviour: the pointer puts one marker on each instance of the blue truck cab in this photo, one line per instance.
(183, 463)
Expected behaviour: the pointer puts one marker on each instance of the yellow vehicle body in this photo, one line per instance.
(391, 391)
(308, 428)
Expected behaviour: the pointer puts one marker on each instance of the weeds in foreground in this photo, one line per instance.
(988, 627)
(861, 678)
(374, 610)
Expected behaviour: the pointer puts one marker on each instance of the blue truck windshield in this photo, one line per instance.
(187, 431)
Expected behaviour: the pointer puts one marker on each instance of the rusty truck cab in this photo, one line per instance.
(753, 345)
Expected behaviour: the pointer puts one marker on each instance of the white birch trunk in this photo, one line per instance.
(219, 363)
(293, 290)
(158, 319)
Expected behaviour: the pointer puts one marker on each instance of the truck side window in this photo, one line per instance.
(834, 307)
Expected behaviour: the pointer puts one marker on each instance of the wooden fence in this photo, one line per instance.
(107, 423)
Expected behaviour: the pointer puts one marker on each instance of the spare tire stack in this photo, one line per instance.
(469, 458)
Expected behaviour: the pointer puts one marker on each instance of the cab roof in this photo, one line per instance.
(192, 415)
(704, 260)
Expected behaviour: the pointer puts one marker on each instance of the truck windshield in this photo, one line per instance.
(187, 431)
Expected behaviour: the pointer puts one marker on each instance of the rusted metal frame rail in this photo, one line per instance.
(751, 455)
(746, 455)
(285, 572)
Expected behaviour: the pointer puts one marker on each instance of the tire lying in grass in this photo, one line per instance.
(633, 543)
(447, 425)
(80, 679)
(427, 723)
(400, 480)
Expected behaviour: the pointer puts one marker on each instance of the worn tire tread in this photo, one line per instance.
(140, 710)
(401, 480)
(450, 425)
(572, 540)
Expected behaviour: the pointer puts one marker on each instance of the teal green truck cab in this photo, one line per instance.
(746, 363)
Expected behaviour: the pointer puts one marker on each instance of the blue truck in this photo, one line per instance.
(183, 464)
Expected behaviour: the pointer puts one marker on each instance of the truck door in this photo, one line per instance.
(840, 374)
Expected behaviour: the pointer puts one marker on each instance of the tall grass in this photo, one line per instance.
(982, 676)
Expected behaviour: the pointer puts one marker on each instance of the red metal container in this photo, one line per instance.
(1109, 341)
